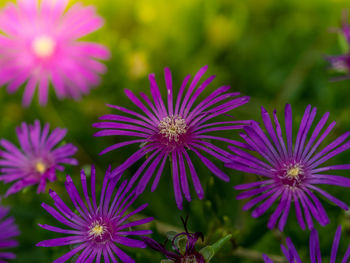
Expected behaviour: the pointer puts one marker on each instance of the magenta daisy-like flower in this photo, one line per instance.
(290, 172)
(8, 230)
(39, 45)
(97, 228)
(37, 159)
(173, 131)
(341, 63)
(292, 255)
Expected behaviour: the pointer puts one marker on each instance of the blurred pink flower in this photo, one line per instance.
(39, 45)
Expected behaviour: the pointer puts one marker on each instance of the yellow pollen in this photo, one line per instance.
(43, 46)
(97, 230)
(40, 167)
(172, 127)
(295, 171)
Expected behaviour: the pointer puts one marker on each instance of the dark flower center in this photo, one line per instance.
(292, 174)
(99, 231)
(172, 129)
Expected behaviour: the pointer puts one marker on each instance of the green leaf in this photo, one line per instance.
(208, 252)
(181, 243)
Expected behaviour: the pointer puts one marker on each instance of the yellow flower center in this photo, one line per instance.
(40, 167)
(172, 127)
(43, 46)
(295, 171)
(97, 230)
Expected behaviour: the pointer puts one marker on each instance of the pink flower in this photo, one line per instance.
(39, 46)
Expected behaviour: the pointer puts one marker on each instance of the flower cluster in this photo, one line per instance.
(40, 46)
(292, 168)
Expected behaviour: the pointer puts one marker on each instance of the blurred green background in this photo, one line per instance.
(270, 50)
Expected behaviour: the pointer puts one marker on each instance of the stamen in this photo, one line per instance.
(40, 167)
(172, 127)
(43, 46)
(292, 174)
(294, 171)
(97, 230)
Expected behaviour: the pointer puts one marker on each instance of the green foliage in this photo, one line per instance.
(209, 252)
(270, 50)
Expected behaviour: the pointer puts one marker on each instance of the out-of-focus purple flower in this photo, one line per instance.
(186, 252)
(37, 159)
(292, 255)
(98, 226)
(341, 63)
(39, 45)
(173, 131)
(290, 172)
(8, 230)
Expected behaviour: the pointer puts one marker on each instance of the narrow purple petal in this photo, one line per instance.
(335, 244)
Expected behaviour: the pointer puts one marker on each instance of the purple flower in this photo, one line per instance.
(39, 45)
(37, 160)
(97, 227)
(315, 253)
(8, 230)
(174, 131)
(341, 63)
(290, 172)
